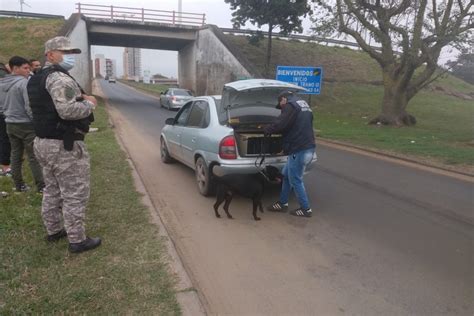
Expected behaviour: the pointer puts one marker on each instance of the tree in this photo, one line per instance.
(283, 14)
(464, 67)
(411, 35)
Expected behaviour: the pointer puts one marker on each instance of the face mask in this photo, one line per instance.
(68, 62)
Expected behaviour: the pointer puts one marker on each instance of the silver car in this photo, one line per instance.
(174, 98)
(225, 133)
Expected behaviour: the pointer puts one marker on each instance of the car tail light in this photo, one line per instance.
(173, 98)
(227, 148)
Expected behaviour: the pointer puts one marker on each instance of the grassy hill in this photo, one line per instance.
(351, 95)
(340, 64)
(26, 37)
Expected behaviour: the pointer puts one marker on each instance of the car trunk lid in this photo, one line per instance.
(248, 106)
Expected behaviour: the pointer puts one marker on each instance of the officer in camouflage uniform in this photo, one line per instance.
(62, 113)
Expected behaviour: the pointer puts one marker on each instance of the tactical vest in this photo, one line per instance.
(46, 120)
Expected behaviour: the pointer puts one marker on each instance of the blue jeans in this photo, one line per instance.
(293, 177)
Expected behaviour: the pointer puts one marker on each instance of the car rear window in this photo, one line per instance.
(182, 92)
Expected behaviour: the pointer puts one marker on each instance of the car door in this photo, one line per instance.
(175, 132)
(191, 136)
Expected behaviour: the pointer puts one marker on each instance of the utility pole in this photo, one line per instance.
(180, 10)
(22, 2)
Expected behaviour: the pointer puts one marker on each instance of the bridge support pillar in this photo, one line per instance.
(82, 70)
(206, 64)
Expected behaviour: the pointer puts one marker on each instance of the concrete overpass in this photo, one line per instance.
(205, 59)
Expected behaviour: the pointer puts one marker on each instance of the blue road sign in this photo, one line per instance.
(307, 77)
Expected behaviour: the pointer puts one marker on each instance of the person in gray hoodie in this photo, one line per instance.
(4, 140)
(18, 118)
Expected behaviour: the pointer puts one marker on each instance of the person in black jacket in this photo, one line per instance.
(295, 123)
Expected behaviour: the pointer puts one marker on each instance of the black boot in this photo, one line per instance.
(87, 244)
(55, 237)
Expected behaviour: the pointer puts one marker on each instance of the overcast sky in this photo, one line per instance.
(217, 12)
(165, 62)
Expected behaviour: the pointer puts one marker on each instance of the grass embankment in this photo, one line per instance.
(127, 274)
(26, 37)
(154, 89)
(443, 134)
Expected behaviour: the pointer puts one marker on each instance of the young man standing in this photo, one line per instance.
(35, 66)
(295, 123)
(18, 118)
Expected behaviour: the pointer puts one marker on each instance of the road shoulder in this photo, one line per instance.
(185, 292)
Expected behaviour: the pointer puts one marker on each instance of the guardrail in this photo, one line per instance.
(299, 37)
(18, 14)
(140, 14)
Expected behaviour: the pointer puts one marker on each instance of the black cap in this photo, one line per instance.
(284, 94)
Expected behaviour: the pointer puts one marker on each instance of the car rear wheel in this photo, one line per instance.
(165, 155)
(203, 178)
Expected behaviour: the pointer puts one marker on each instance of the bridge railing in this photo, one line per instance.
(141, 15)
(18, 14)
(310, 38)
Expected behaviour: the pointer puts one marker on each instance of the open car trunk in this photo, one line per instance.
(254, 143)
(248, 106)
(248, 124)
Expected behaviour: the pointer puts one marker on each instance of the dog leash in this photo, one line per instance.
(262, 155)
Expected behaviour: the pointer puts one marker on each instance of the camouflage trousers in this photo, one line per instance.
(67, 186)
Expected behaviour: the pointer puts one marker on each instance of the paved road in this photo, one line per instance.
(385, 239)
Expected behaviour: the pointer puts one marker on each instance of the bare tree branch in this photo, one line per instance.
(435, 15)
(397, 10)
(447, 14)
(433, 79)
(361, 18)
(418, 28)
(362, 43)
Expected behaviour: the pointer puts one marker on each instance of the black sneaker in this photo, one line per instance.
(302, 213)
(87, 244)
(278, 207)
(57, 236)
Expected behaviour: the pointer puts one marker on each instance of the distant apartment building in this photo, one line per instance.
(110, 68)
(132, 63)
(99, 66)
(104, 67)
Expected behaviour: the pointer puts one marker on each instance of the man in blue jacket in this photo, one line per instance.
(295, 123)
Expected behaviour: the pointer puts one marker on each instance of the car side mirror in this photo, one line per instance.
(169, 121)
(161, 93)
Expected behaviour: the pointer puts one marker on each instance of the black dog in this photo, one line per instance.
(247, 185)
